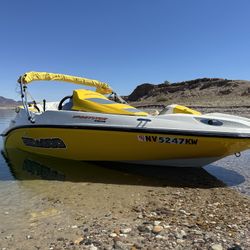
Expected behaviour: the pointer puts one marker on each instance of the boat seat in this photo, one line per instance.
(179, 109)
(91, 101)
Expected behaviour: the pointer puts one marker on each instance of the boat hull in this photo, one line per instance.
(135, 146)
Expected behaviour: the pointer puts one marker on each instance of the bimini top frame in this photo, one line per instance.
(29, 77)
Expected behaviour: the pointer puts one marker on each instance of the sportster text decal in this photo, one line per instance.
(170, 140)
(44, 142)
(91, 118)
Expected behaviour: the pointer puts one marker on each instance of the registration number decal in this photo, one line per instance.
(168, 140)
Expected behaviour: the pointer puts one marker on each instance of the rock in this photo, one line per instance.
(209, 235)
(157, 222)
(88, 242)
(216, 247)
(120, 246)
(233, 226)
(199, 241)
(157, 229)
(144, 229)
(92, 247)
(163, 211)
(182, 234)
(107, 247)
(137, 246)
(174, 243)
(180, 241)
(159, 237)
(117, 238)
(235, 247)
(70, 243)
(74, 226)
(184, 212)
(117, 231)
(123, 235)
(153, 214)
(28, 237)
(216, 204)
(186, 224)
(113, 235)
(9, 236)
(126, 230)
(166, 226)
(79, 241)
(198, 232)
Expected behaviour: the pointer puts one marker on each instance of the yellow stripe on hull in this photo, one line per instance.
(102, 145)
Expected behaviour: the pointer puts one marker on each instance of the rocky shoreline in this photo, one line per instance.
(171, 220)
(154, 218)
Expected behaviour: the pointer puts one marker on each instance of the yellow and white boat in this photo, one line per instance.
(93, 127)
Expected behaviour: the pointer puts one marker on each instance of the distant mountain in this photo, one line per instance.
(203, 91)
(6, 102)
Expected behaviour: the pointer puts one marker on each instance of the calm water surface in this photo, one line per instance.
(25, 177)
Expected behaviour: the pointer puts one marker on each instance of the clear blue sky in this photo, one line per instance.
(122, 42)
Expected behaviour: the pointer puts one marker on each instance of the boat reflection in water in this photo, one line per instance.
(27, 166)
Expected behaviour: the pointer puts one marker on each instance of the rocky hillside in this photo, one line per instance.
(6, 102)
(204, 91)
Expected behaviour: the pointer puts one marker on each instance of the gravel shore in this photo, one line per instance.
(170, 219)
(93, 216)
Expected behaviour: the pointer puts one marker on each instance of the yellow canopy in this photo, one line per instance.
(28, 77)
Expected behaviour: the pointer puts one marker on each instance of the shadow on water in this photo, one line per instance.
(26, 166)
(229, 177)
